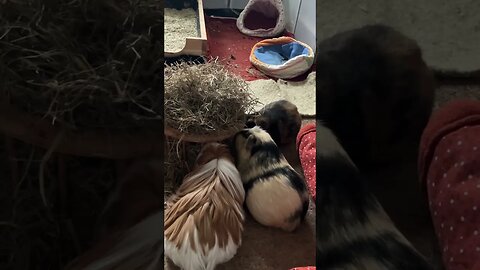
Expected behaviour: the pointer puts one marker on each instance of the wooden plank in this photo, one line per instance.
(195, 45)
(201, 16)
(112, 144)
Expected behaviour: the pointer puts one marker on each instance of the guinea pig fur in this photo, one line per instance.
(276, 195)
(204, 218)
(280, 119)
(353, 230)
(374, 91)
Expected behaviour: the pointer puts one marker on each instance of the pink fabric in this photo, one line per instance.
(304, 268)
(450, 169)
(306, 146)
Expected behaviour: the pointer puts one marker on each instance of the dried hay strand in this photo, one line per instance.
(205, 99)
(87, 64)
(181, 156)
(203, 103)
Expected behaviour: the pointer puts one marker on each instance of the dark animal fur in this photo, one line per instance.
(374, 90)
(346, 207)
(280, 119)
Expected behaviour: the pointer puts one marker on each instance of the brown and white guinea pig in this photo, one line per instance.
(280, 119)
(375, 91)
(131, 223)
(204, 218)
(276, 195)
(353, 230)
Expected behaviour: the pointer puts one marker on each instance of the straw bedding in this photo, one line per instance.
(202, 100)
(87, 64)
(179, 25)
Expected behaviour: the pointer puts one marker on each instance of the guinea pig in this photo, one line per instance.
(353, 230)
(375, 92)
(204, 218)
(280, 119)
(276, 195)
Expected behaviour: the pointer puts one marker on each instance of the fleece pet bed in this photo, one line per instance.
(449, 164)
(262, 18)
(282, 57)
(306, 146)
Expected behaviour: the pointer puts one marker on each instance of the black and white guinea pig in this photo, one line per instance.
(353, 230)
(276, 195)
(280, 119)
(375, 91)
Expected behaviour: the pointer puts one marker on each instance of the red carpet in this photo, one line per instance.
(233, 48)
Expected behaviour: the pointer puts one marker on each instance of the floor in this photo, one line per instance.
(233, 48)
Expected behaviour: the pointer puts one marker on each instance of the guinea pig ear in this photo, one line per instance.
(251, 141)
(288, 130)
(262, 122)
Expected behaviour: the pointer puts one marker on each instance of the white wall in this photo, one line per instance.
(305, 28)
(300, 15)
(215, 4)
(238, 4)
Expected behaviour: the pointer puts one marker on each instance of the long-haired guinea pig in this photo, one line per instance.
(280, 119)
(353, 230)
(375, 91)
(204, 218)
(276, 195)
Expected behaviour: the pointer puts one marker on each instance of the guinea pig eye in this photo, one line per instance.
(250, 123)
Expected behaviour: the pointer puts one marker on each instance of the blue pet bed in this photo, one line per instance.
(282, 57)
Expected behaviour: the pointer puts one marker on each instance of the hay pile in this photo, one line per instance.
(201, 99)
(206, 98)
(85, 63)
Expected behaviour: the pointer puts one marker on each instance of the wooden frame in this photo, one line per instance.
(103, 143)
(195, 45)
